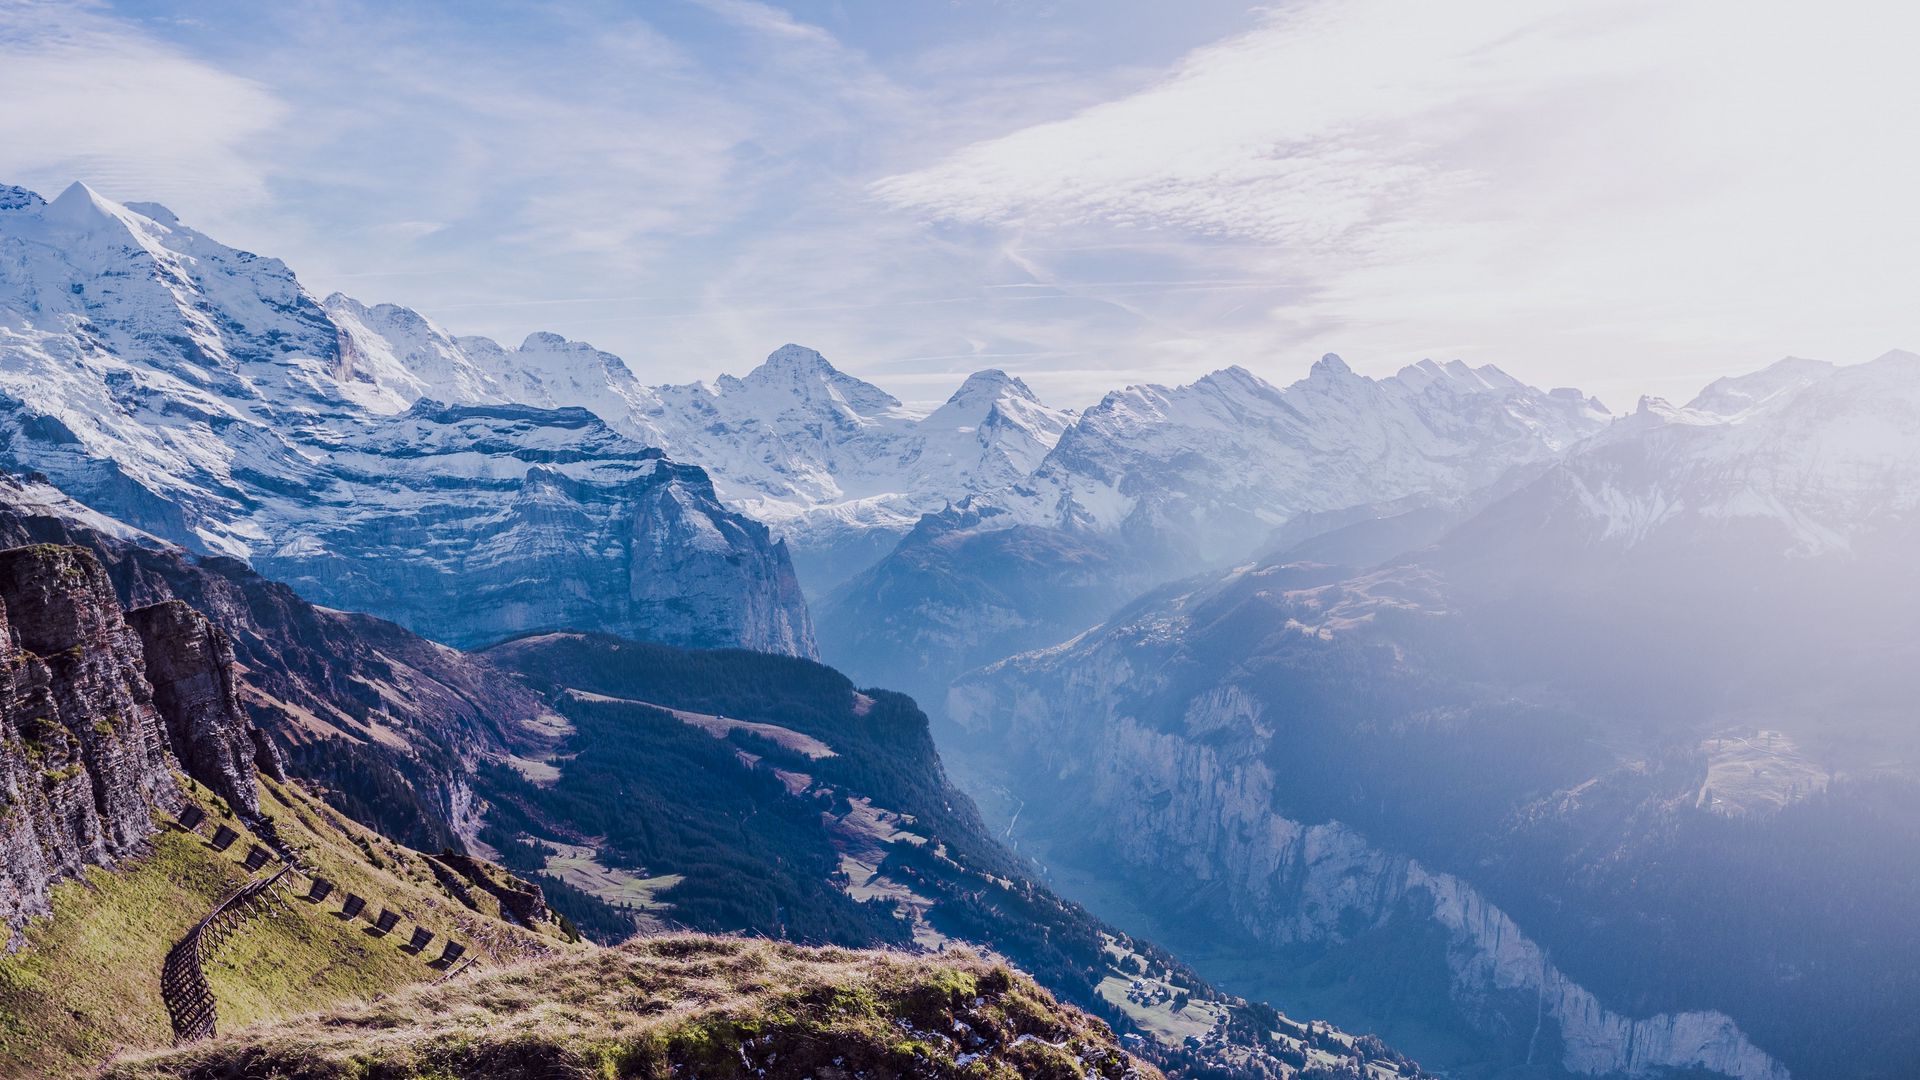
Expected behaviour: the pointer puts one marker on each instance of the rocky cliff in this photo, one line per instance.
(1199, 805)
(83, 753)
(190, 667)
(471, 524)
(390, 726)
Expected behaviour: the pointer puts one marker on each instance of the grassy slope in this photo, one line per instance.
(717, 1008)
(85, 981)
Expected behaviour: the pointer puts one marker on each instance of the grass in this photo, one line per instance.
(87, 978)
(84, 982)
(576, 865)
(686, 1005)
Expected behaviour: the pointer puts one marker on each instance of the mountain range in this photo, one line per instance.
(1625, 754)
(199, 393)
(1542, 741)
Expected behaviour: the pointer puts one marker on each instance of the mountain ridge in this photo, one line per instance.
(199, 393)
(1680, 773)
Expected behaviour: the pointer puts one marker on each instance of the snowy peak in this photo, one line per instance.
(1329, 366)
(792, 362)
(546, 355)
(1801, 458)
(989, 386)
(1457, 375)
(393, 356)
(805, 379)
(990, 434)
(81, 209)
(91, 284)
(1732, 396)
(1211, 469)
(985, 391)
(1238, 382)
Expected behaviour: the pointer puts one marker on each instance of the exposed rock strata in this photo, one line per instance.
(1166, 802)
(385, 724)
(83, 753)
(190, 667)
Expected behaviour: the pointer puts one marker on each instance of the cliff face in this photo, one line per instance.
(1198, 804)
(387, 724)
(190, 667)
(97, 710)
(471, 524)
(83, 753)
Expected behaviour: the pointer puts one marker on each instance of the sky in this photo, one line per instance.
(1626, 196)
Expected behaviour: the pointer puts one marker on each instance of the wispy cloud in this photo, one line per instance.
(1557, 186)
(767, 19)
(88, 97)
(1609, 193)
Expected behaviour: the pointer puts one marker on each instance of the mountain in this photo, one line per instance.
(388, 725)
(100, 708)
(132, 784)
(1155, 483)
(472, 523)
(199, 393)
(634, 785)
(839, 468)
(1619, 767)
(1206, 472)
(729, 790)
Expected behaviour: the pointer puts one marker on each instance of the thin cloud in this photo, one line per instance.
(1587, 185)
(86, 98)
(767, 19)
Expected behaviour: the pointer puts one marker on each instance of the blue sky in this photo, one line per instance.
(1625, 196)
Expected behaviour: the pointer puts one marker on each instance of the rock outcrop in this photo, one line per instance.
(520, 900)
(83, 753)
(190, 667)
(471, 524)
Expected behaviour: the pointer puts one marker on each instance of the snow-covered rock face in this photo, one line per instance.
(1155, 483)
(1212, 468)
(470, 524)
(1802, 458)
(199, 393)
(837, 466)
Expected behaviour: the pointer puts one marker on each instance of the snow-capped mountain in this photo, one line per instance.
(838, 467)
(1211, 469)
(1156, 483)
(1615, 753)
(1802, 457)
(200, 393)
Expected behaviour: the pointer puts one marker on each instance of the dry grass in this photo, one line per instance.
(682, 1006)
